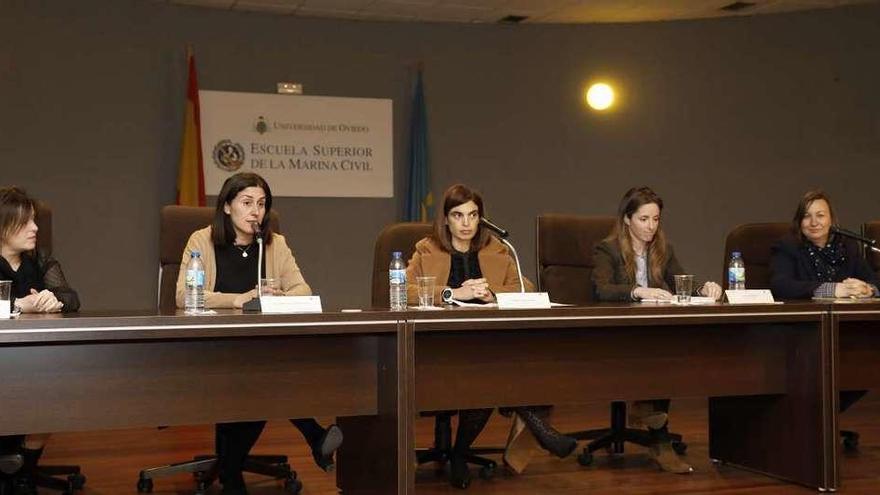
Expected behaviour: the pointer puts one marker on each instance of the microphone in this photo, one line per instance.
(494, 228)
(258, 232)
(502, 236)
(853, 235)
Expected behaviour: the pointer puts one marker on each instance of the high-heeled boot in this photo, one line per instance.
(548, 438)
(653, 415)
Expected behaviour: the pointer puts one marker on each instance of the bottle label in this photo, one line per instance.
(736, 275)
(195, 278)
(397, 276)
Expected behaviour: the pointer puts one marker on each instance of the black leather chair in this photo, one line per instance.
(754, 241)
(177, 223)
(66, 479)
(403, 237)
(565, 264)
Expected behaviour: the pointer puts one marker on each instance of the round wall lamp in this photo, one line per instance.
(600, 96)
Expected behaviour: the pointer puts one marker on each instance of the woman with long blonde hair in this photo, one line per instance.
(636, 262)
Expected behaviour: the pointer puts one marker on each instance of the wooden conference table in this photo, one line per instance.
(769, 371)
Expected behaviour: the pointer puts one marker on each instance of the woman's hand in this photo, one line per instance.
(711, 289)
(474, 288)
(853, 287)
(239, 300)
(39, 302)
(649, 293)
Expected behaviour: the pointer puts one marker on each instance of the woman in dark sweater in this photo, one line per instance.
(38, 286)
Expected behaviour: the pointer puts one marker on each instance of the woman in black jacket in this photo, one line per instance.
(814, 262)
(38, 286)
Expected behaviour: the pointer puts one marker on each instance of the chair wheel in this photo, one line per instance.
(77, 480)
(585, 458)
(487, 472)
(850, 444)
(145, 485)
(293, 485)
(461, 484)
(679, 447)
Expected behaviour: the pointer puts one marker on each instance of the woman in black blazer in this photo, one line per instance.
(814, 262)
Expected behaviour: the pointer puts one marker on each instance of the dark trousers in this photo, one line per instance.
(233, 443)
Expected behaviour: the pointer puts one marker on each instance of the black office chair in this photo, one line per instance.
(177, 223)
(754, 241)
(403, 237)
(565, 264)
(65, 479)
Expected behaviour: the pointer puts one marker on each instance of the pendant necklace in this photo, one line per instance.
(244, 250)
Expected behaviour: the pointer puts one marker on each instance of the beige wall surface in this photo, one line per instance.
(729, 120)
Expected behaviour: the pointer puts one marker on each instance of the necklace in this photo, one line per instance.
(244, 250)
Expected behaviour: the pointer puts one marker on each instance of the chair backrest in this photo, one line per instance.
(43, 219)
(565, 255)
(753, 240)
(871, 230)
(395, 237)
(176, 224)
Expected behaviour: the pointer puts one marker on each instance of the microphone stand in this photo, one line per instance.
(522, 285)
(256, 304)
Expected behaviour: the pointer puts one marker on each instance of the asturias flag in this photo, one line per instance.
(419, 201)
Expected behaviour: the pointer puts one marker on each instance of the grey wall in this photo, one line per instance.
(729, 120)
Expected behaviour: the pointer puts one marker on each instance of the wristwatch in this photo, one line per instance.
(446, 295)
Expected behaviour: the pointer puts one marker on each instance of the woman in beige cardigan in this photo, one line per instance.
(229, 251)
(471, 265)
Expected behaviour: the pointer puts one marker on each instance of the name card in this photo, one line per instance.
(290, 304)
(749, 296)
(523, 300)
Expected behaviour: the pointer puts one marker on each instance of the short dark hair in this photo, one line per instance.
(803, 205)
(222, 232)
(16, 210)
(456, 195)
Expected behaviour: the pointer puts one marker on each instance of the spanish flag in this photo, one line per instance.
(190, 176)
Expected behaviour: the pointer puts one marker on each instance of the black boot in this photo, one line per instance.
(470, 423)
(551, 440)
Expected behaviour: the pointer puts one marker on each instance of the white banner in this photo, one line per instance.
(301, 145)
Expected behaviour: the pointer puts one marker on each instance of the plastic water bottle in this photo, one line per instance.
(194, 300)
(736, 272)
(397, 282)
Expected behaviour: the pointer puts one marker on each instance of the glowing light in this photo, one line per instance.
(600, 96)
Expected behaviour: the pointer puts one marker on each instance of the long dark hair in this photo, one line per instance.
(16, 210)
(634, 199)
(457, 195)
(222, 232)
(803, 205)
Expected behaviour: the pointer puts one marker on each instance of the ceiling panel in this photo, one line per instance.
(537, 11)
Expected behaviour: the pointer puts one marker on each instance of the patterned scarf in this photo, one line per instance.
(826, 261)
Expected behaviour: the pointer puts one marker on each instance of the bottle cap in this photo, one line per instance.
(397, 254)
(736, 253)
(195, 254)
